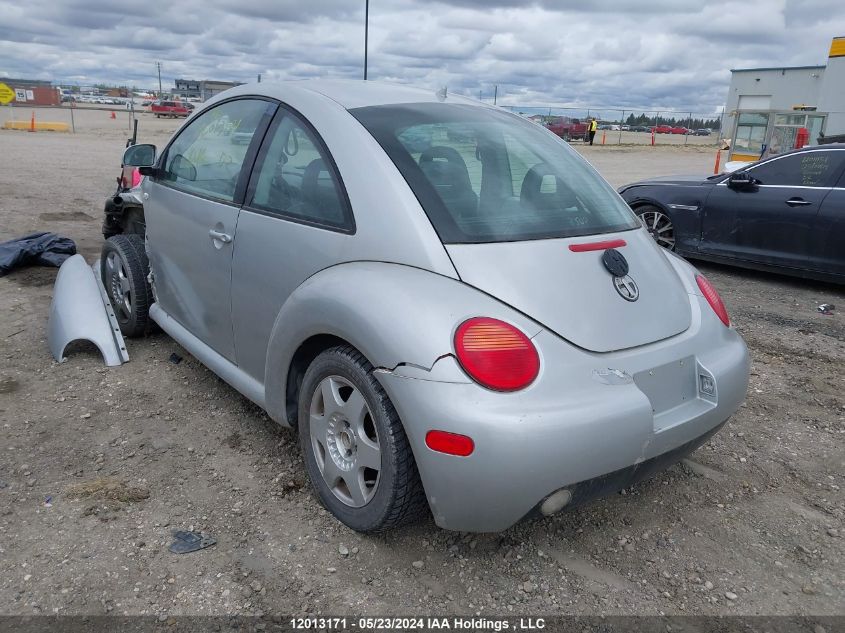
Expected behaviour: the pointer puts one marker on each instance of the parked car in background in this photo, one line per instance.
(680, 130)
(640, 128)
(662, 129)
(626, 128)
(703, 131)
(425, 317)
(169, 109)
(569, 129)
(785, 213)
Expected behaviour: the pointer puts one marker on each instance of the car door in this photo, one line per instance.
(775, 220)
(296, 221)
(832, 226)
(191, 205)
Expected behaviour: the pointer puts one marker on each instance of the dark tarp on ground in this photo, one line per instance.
(37, 249)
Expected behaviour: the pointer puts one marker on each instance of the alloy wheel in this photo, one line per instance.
(660, 227)
(345, 441)
(119, 286)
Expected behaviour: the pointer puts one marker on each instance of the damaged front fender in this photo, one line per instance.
(81, 311)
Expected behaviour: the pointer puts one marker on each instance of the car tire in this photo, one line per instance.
(347, 424)
(123, 268)
(659, 225)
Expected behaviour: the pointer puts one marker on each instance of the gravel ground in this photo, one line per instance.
(99, 465)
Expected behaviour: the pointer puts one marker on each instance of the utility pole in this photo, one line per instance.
(158, 67)
(366, 33)
(495, 93)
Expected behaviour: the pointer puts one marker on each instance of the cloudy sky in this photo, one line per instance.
(636, 53)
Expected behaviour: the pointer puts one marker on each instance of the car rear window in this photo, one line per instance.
(483, 175)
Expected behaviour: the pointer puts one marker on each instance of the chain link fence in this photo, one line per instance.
(101, 120)
(620, 126)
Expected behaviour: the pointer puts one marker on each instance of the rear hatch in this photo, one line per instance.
(573, 294)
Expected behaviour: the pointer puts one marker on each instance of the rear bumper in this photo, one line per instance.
(604, 485)
(579, 426)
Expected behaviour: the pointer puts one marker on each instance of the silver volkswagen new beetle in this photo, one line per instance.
(453, 309)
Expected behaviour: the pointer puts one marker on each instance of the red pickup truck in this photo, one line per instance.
(569, 129)
(169, 109)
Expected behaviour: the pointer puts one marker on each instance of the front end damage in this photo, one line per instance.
(81, 311)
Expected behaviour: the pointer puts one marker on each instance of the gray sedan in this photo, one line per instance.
(454, 310)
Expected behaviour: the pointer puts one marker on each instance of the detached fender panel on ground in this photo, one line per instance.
(81, 311)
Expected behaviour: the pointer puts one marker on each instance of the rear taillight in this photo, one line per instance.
(495, 354)
(713, 299)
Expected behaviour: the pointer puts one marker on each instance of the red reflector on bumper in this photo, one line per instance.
(597, 246)
(449, 443)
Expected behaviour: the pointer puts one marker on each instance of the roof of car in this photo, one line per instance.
(810, 148)
(353, 93)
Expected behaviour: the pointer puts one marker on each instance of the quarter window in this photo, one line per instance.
(206, 158)
(295, 177)
(804, 169)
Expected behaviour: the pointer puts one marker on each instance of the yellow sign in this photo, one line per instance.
(7, 95)
(837, 47)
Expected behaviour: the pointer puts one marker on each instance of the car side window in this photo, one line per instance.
(207, 156)
(295, 177)
(804, 169)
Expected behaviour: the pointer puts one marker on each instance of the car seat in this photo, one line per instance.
(447, 172)
(532, 196)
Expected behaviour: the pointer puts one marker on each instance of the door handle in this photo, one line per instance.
(220, 236)
(798, 202)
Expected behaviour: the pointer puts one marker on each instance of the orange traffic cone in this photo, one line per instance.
(718, 161)
(32, 122)
(113, 116)
(603, 136)
(652, 136)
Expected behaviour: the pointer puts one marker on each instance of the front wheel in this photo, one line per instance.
(659, 225)
(124, 267)
(355, 448)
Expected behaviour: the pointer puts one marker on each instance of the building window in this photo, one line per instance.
(751, 133)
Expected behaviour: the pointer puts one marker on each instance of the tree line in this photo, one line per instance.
(692, 123)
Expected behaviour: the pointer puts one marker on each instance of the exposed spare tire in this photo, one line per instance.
(124, 267)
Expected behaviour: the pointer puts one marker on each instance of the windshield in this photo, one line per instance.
(483, 175)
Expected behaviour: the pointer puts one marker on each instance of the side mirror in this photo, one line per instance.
(741, 180)
(143, 155)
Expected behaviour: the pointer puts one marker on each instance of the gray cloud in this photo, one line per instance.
(600, 53)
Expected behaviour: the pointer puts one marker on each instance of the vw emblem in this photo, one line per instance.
(627, 288)
(615, 262)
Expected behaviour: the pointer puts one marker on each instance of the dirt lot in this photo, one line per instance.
(753, 525)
